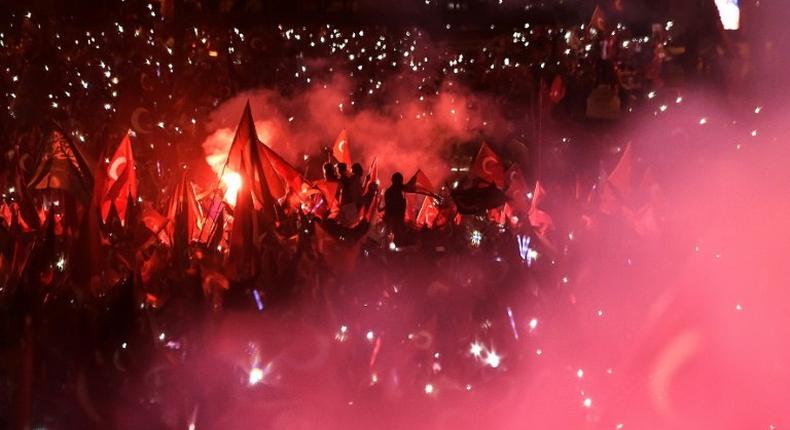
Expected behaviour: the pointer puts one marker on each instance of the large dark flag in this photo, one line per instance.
(63, 167)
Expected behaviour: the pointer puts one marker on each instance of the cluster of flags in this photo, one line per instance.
(267, 186)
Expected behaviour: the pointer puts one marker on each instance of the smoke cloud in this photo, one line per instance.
(404, 131)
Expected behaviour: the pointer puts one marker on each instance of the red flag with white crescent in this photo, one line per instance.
(340, 149)
(121, 181)
(488, 166)
(428, 213)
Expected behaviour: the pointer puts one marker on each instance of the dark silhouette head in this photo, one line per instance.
(329, 171)
(356, 169)
(342, 169)
(397, 179)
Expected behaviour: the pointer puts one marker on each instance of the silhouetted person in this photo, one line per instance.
(348, 196)
(395, 206)
(329, 173)
(355, 189)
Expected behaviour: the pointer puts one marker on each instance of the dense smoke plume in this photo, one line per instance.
(405, 132)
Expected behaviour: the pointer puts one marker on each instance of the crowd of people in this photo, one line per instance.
(116, 278)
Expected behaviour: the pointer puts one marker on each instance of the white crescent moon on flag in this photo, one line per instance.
(135, 120)
(486, 161)
(512, 176)
(340, 146)
(116, 164)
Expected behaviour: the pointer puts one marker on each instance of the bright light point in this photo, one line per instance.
(754, 133)
(619, 426)
(343, 329)
(428, 388)
(468, 387)
(758, 109)
(651, 94)
(476, 349)
(393, 247)
(124, 345)
(476, 238)
(493, 359)
(564, 279)
(61, 264)
(580, 373)
(538, 352)
(533, 324)
(738, 307)
(730, 14)
(162, 336)
(679, 100)
(587, 402)
(232, 181)
(599, 313)
(703, 121)
(662, 108)
(370, 336)
(256, 376)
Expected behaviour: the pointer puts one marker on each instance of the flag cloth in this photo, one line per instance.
(63, 167)
(538, 219)
(120, 182)
(184, 213)
(473, 201)
(246, 159)
(616, 190)
(557, 89)
(243, 256)
(256, 208)
(598, 20)
(340, 246)
(488, 167)
(156, 223)
(428, 213)
(621, 176)
(340, 149)
(517, 189)
(25, 214)
(86, 250)
(372, 176)
(419, 184)
(287, 173)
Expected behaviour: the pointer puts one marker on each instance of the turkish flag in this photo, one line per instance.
(428, 213)
(419, 184)
(120, 182)
(488, 166)
(245, 157)
(340, 150)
